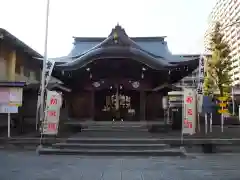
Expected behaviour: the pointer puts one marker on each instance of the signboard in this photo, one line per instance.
(8, 109)
(4, 95)
(224, 98)
(207, 105)
(223, 111)
(54, 100)
(189, 112)
(52, 113)
(223, 105)
(50, 125)
(10, 100)
(11, 96)
(15, 96)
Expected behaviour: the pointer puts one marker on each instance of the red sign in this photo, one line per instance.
(190, 112)
(52, 126)
(52, 113)
(189, 99)
(187, 123)
(53, 101)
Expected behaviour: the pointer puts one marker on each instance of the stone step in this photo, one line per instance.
(107, 129)
(113, 152)
(129, 141)
(28, 141)
(114, 140)
(110, 146)
(117, 124)
(116, 127)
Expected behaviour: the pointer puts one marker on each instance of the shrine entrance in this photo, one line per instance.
(117, 104)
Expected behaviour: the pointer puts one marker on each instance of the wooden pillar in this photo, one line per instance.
(65, 110)
(11, 66)
(92, 104)
(142, 105)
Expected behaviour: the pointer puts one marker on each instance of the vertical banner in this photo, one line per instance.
(201, 75)
(49, 68)
(52, 113)
(48, 72)
(189, 112)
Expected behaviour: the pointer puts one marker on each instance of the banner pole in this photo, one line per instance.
(222, 122)
(198, 119)
(222, 117)
(43, 79)
(206, 123)
(9, 125)
(211, 122)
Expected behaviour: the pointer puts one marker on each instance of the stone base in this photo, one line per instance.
(159, 128)
(112, 152)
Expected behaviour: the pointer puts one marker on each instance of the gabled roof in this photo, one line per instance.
(154, 45)
(4, 34)
(119, 45)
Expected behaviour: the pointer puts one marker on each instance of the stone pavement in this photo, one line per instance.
(29, 166)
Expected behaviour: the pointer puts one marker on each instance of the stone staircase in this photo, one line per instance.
(116, 127)
(111, 147)
(113, 140)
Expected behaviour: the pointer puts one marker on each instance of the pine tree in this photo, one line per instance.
(218, 66)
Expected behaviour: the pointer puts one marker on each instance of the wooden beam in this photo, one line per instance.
(160, 87)
(11, 66)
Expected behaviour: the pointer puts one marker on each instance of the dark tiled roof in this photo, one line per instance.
(18, 43)
(99, 39)
(154, 45)
(151, 51)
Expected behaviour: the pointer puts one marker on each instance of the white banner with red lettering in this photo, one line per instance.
(52, 113)
(201, 76)
(189, 112)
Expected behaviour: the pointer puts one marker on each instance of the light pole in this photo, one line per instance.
(42, 86)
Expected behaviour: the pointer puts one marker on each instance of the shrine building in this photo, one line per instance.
(119, 78)
(114, 78)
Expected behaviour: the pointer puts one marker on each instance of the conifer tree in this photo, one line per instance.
(218, 66)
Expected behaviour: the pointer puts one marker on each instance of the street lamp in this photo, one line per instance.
(42, 86)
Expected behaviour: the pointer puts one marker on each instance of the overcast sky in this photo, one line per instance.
(182, 21)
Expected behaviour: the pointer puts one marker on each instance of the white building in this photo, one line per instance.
(227, 12)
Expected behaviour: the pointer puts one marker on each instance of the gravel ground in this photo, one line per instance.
(29, 166)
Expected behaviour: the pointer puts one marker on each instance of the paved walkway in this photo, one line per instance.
(29, 166)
